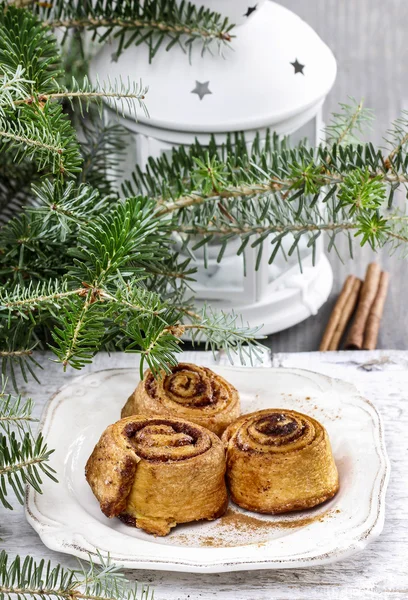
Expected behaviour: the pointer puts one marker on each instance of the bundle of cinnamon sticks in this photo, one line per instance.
(365, 299)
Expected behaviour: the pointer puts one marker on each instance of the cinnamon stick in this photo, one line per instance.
(348, 310)
(368, 293)
(376, 312)
(337, 313)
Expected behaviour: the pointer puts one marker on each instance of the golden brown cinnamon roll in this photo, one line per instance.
(189, 392)
(155, 473)
(278, 461)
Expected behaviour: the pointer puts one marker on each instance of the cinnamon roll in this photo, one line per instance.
(278, 461)
(155, 473)
(189, 392)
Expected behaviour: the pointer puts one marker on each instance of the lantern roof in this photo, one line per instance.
(277, 68)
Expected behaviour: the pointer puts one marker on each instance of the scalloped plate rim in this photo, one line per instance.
(59, 536)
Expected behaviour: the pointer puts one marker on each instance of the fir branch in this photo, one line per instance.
(21, 463)
(13, 88)
(153, 22)
(15, 185)
(268, 193)
(175, 269)
(225, 229)
(156, 341)
(17, 137)
(17, 356)
(23, 458)
(241, 191)
(79, 332)
(127, 236)
(45, 136)
(308, 177)
(368, 226)
(15, 353)
(398, 139)
(25, 254)
(172, 178)
(182, 182)
(43, 581)
(30, 124)
(351, 120)
(15, 412)
(131, 296)
(119, 93)
(22, 300)
(361, 191)
(103, 149)
(26, 44)
(63, 208)
(226, 331)
(34, 130)
(106, 265)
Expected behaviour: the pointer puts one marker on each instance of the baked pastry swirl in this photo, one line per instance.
(189, 392)
(155, 473)
(278, 461)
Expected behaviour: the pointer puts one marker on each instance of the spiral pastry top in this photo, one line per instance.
(153, 473)
(278, 461)
(189, 392)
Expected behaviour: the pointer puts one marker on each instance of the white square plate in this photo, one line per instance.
(68, 519)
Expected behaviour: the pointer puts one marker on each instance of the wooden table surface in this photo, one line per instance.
(380, 572)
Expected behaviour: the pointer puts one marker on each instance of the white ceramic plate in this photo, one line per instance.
(68, 519)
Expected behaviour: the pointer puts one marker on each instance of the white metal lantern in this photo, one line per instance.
(276, 76)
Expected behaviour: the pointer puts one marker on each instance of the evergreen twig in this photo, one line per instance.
(154, 22)
(23, 458)
(44, 581)
(346, 125)
(33, 125)
(85, 272)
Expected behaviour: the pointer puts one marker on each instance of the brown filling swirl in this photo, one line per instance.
(189, 386)
(275, 431)
(166, 439)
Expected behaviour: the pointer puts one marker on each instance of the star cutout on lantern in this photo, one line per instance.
(298, 67)
(201, 89)
(250, 10)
